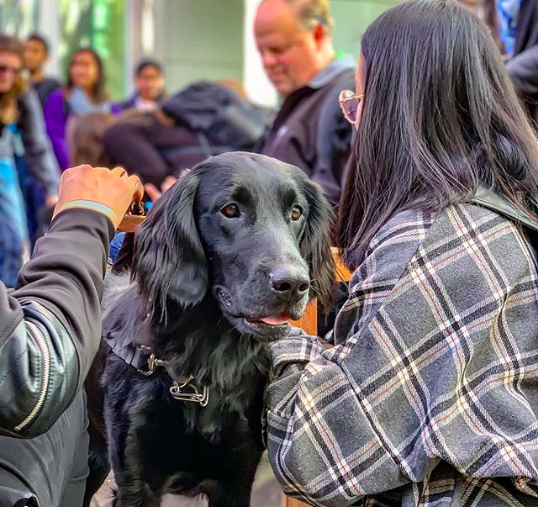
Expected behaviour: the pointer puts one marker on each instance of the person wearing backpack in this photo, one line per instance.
(294, 39)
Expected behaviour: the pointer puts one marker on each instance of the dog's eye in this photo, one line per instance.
(296, 212)
(230, 211)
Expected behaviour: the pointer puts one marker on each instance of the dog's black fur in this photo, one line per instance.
(203, 283)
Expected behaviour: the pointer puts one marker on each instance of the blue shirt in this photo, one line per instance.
(509, 15)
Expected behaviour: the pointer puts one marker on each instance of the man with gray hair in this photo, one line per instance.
(294, 38)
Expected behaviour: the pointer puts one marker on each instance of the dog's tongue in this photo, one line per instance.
(276, 321)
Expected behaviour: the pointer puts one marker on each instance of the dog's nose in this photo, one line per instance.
(289, 281)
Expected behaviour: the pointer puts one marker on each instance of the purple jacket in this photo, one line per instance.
(56, 114)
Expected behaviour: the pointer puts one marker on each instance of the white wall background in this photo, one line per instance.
(199, 39)
(258, 87)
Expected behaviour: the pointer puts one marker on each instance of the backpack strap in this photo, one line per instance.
(494, 202)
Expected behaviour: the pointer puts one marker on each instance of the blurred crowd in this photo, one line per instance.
(49, 124)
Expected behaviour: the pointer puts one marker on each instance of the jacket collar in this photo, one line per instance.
(328, 73)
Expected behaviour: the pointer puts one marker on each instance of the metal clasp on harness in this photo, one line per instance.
(153, 363)
(195, 395)
(178, 386)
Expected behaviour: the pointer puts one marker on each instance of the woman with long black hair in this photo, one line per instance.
(431, 393)
(85, 93)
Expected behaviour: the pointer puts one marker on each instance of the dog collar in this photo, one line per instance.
(146, 363)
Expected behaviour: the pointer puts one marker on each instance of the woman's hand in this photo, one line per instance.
(105, 191)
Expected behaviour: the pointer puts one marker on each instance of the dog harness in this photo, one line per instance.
(146, 363)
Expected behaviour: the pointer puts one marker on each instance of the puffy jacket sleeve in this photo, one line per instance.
(50, 325)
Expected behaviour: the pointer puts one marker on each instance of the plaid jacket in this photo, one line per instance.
(431, 394)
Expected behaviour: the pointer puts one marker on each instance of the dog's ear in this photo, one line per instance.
(169, 261)
(316, 242)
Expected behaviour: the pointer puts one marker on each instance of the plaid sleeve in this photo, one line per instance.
(442, 373)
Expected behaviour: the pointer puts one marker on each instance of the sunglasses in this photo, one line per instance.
(8, 68)
(349, 102)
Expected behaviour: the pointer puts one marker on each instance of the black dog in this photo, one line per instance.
(224, 260)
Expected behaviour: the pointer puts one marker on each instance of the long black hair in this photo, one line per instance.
(440, 118)
(99, 93)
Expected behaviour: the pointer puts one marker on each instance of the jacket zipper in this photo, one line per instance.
(42, 343)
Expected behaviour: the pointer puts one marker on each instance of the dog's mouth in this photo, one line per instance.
(263, 325)
(261, 330)
(277, 322)
(280, 320)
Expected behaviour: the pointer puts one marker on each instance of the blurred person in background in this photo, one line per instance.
(508, 11)
(21, 119)
(142, 142)
(486, 10)
(85, 93)
(86, 139)
(86, 147)
(149, 87)
(201, 120)
(490, 16)
(36, 55)
(294, 39)
(526, 35)
(523, 66)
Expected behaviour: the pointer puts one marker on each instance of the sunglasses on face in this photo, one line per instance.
(7, 68)
(349, 102)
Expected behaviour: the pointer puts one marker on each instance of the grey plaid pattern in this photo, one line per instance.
(431, 394)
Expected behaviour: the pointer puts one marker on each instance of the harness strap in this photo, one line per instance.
(138, 356)
(146, 363)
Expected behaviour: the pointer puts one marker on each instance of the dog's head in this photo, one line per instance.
(251, 231)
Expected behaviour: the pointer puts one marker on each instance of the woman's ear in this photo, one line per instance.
(316, 243)
(170, 265)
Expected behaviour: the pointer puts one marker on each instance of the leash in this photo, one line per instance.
(145, 362)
